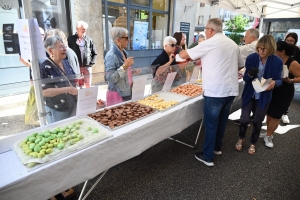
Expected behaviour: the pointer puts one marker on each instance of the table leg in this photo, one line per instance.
(196, 141)
(91, 189)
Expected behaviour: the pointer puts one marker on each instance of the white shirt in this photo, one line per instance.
(220, 60)
(247, 49)
(81, 44)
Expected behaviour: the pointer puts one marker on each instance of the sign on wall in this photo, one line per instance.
(185, 28)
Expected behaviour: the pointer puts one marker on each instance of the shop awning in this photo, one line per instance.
(260, 8)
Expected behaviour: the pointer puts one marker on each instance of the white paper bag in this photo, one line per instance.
(285, 72)
(260, 86)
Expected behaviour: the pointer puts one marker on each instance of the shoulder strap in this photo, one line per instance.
(60, 70)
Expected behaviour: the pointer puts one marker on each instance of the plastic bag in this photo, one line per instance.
(31, 113)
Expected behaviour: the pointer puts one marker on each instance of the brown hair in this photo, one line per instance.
(178, 36)
(268, 42)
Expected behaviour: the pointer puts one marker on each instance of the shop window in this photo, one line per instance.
(50, 14)
(118, 1)
(160, 5)
(140, 2)
(117, 16)
(139, 29)
(8, 26)
(159, 30)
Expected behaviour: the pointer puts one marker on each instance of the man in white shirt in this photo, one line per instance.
(251, 38)
(220, 63)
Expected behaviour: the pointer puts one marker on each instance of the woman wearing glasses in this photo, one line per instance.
(163, 62)
(117, 68)
(259, 65)
(282, 96)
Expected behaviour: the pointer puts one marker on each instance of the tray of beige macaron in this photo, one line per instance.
(163, 101)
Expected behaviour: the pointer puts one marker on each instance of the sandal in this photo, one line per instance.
(251, 149)
(239, 145)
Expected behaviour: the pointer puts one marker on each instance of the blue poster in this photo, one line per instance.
(140, 40)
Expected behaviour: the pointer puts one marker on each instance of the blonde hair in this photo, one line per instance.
(268, 42)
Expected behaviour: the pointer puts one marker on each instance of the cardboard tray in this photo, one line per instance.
(107, 127)
(170, 96)
(88, 140)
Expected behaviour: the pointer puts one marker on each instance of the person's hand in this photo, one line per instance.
(286, 79)
(272, 85)
(72, 90)
(252, 72)
(128, 62)
(136, 71)
(171, 58)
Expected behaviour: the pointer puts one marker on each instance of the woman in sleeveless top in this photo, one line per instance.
(283, 95)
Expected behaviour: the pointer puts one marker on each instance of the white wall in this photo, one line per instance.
(185, 11)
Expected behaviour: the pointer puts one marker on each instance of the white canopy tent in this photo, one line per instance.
(260, 8)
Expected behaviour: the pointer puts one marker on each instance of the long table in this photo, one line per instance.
(127, 142)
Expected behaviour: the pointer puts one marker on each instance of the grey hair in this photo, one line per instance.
(216, 24)
(50, 42)
(254, 32)
(59, 33)
(118, 32)
(81, 23)
(169, 39)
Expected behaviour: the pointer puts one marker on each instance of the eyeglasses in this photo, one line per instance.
(125, 37)
(172, 45)
(261, 49)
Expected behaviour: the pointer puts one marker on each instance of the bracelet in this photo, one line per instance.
(291, 81)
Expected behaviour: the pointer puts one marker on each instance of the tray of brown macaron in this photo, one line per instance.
(122, 115)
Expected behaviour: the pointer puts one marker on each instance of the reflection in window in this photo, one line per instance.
(159, 30)
(140, 2)
(140, 31)
(50, 15)
(161, 5)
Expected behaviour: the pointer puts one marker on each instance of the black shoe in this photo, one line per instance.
(199, 156)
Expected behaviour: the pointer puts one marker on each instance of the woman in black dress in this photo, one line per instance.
(283, 95)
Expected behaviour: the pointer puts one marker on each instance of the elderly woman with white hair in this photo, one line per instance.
(164, 60)
(118, 68)
(60, 93)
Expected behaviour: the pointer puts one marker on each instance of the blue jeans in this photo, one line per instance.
(216, 112)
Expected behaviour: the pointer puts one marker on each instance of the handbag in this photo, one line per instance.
(61, 102)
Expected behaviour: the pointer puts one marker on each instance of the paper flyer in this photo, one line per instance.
(285, 72)
(169, 81)
(140, 35)
(87, 101)
(260, 86)
(24, 38)
(195, 74)
(138, 87)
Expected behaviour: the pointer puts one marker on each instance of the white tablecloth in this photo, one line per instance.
(126, 143)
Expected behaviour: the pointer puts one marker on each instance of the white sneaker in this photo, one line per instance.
(268, 141)
(285, 119)
(218, 153)
(263, 133)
